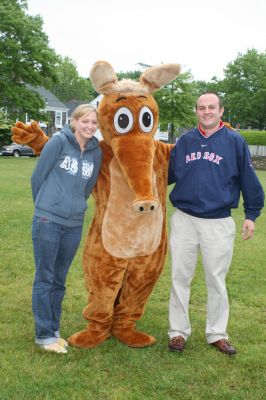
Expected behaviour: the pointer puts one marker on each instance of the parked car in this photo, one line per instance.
(17, 150)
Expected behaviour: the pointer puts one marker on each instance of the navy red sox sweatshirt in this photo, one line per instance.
(210, 173)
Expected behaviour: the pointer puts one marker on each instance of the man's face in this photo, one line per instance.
(208, 111)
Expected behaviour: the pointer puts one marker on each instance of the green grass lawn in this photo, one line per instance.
(113, 371)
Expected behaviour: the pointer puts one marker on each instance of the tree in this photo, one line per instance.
(244, 87)
(203, 86)
(176, 103)
(25, 58)
(129, 75)
(69, 85)
(5, 125)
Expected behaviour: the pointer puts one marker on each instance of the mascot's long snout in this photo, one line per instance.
(135, 155)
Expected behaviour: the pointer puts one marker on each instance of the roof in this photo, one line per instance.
(51, 101)
(72, 104)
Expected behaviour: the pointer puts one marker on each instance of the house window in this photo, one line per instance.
(58, 119)
(51, 117)
(64, 118)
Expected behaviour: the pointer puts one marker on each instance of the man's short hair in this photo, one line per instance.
(211, 92)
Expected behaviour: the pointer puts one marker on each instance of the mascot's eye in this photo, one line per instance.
(146, 119)
(123, 120)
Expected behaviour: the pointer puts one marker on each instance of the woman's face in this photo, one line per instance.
(86, 126)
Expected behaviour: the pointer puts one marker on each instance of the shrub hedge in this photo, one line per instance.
(5, 136)
(254, 137)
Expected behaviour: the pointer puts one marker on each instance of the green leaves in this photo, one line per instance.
(69, 85)
(245, 89)
(176, 103)
(25, 58)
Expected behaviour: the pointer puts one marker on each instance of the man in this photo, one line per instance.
(210, 166)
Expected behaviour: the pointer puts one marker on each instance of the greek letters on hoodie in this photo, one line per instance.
(209, 174)
(64, 177)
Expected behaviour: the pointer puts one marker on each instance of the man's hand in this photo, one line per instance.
(248, 229)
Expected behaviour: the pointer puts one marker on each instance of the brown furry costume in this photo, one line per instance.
(126, 245)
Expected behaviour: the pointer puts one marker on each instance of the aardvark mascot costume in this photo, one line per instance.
(126, 244)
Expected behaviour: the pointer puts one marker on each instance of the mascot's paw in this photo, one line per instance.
(32, 135)
(134, 338)
(87, 339)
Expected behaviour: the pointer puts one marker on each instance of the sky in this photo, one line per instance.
(201, 35)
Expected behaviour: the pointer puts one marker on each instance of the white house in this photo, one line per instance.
(57, 110)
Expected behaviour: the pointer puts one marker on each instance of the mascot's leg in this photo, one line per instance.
(139, 280)
(103, 276)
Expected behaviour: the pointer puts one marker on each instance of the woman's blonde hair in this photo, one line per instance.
(81, 110)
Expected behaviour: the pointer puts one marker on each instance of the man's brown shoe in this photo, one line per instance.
(177, 343)
(224, 346)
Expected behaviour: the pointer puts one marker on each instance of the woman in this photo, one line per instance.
(61, 183)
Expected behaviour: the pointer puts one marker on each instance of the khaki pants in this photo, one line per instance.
(215, 240)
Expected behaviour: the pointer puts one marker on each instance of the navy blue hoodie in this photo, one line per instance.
(209, 174)
(64, 177)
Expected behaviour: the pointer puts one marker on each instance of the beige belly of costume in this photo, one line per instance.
(125, 233)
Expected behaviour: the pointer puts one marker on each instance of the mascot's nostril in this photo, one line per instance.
(145, 206)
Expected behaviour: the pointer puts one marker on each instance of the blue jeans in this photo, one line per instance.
(55, 247)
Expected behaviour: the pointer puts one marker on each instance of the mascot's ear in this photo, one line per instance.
(102, 76)
(156, 77)
(104, 79)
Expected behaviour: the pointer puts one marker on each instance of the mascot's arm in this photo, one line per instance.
(169, 147)
(228, 125)
(31, 135)
(164, 149)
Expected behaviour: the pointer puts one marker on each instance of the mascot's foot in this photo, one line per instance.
(134, 338)
(87, 339)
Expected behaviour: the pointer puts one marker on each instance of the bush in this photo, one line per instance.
(5, 136)
(254, 137)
